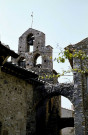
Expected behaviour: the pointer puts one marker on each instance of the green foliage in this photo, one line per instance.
(63, 55)
(67, 54)
(79, 54)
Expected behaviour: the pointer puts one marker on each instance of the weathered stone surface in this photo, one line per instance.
(16, 99)
(80, 95)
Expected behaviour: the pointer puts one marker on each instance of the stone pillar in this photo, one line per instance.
(79, 119)
(80, 97)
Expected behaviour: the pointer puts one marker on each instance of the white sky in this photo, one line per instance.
(63, 22)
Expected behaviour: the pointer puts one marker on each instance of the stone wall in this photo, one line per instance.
(67, 112)
(16, 103)
(80, 94)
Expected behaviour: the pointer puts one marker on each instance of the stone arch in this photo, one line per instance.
(65, 90)
(47, 93)
(22, 62)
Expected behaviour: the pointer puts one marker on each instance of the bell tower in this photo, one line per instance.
(31, 47)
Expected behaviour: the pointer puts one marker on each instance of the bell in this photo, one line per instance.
(30, 42)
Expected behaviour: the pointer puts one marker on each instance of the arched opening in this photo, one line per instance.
(66, 103)
(53, 112)
(57, 119)
(30, 40)
(38, 61)
(54, 120)
(47, 116)
(22, 62)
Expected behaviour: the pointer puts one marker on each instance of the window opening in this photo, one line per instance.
(39, 60)
(22, 62)
(31, 48)
(30, 40)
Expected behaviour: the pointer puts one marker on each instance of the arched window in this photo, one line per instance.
(30, 39)
(22, 62)
(38, 60)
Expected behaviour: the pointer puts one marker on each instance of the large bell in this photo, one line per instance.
(30, 42)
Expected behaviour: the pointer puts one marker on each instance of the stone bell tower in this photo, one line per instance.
(31, 46)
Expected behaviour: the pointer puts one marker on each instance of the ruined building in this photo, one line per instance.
(30, 102)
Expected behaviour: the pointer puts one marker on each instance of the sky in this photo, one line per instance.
(63, 21)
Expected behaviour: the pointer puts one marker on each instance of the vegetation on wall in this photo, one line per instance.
(63, 55)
